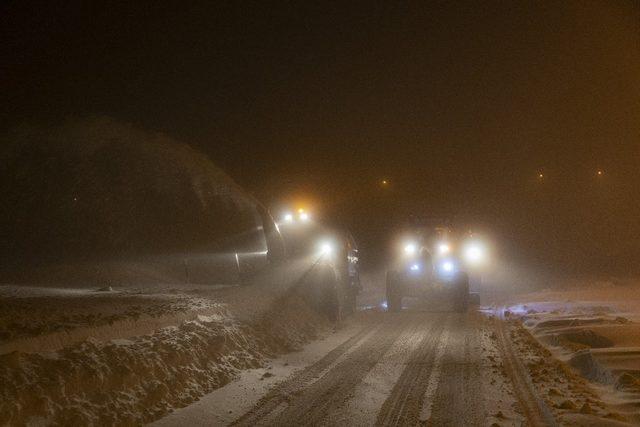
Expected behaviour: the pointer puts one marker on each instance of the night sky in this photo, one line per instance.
(460, 105)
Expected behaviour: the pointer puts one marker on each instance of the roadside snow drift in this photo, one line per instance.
(139, 378)
(594, 329)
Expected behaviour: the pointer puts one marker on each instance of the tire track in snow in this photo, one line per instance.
(369, 396)
(458, 398)
(434, 380)
(283, 393)
(403, 405)
(315, 404)
(278, 399)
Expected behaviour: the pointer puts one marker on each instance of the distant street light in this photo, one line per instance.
(600, 173)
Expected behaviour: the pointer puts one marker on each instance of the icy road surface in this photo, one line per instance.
(409, 368)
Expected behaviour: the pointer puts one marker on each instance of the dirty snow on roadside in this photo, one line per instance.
(593, 334)
(131, 356)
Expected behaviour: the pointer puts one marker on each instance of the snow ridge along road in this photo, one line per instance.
(535, 410)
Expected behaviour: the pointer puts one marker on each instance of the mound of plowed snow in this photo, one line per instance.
(140, 378)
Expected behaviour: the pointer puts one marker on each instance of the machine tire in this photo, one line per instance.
(474, 298)
(394, 293)
(461, 297)
(329, 304)
(350, 300)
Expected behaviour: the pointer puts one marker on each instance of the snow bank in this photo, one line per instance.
(596, 331)
(138, 379)
(584, 362)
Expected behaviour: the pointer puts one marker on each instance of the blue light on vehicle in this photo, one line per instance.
(447, 268)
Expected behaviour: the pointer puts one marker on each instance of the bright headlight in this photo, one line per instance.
(475, 253)
(448, 266)
(326, 248)
(304, 216)
(443, 248)
(288, 217)
(410, 248)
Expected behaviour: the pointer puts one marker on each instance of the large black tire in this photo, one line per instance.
(461, 293)
(329, 298)
(474, 298)
(350, 299)
(394, 292)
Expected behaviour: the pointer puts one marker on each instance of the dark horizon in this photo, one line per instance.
(460, 106)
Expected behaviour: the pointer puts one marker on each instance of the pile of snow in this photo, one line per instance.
(584, 362)
(596, 331)
(138, 379)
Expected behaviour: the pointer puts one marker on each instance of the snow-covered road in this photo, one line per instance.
(410, 368)
(197, 355)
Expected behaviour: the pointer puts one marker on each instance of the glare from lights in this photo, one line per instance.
(410, 248)
(385, 182)
(304, 216)
(447, 266)
(443, 248)
(288, 217)
(600, 173)
(326, 248)
(414, 267)
(300, 210)
(540, 175)
(474, 253)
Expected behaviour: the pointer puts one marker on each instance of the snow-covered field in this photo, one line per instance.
(595, 330)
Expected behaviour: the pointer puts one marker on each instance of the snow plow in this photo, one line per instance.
(330, 257)
(433, 264)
